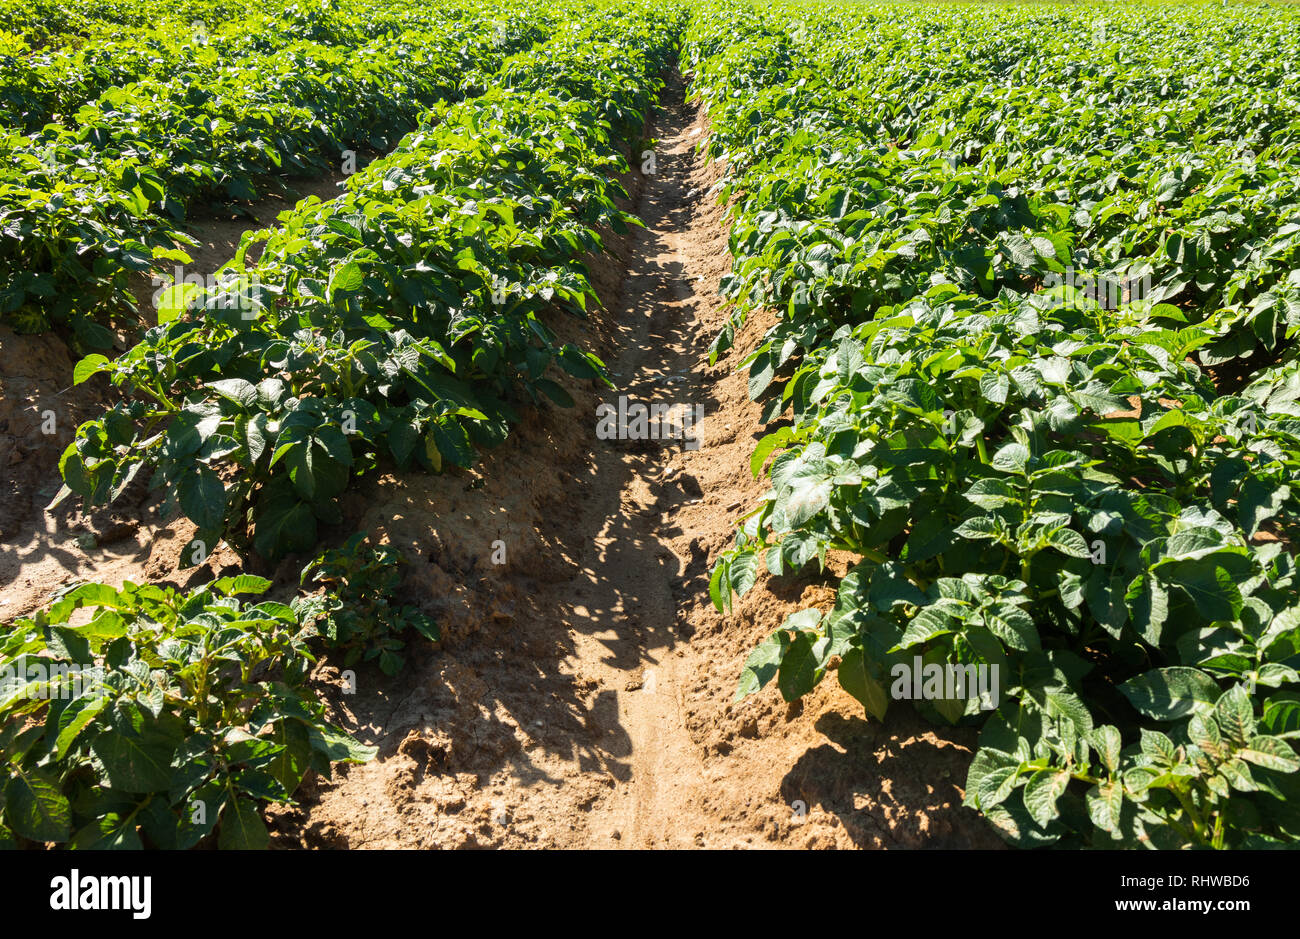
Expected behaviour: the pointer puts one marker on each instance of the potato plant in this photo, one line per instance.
(355, 612)
(161, 720)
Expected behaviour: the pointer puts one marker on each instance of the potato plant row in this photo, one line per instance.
(163, 720)
(1034, 377)
(47, 24)
(401, 323)
(50, 83)
(104, 195)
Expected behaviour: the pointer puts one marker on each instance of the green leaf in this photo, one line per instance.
(1041, 793)
(991, 778)
(762, 664)
(1235, 715)
(858, 677)
(1106, 805)
(1011, 458)
(338, 746)
(720, 586)
(346, 277)
(761, 373)
(75, 718)
(1148, 606)
(801, 667)
(555, 392)
(765, 447)
(1012, 625)
(1271, 753)
(114, 831)
(242, 828)
(1168, 694)
(1067, 705)
(982, 528)
(203, 498)
(991, 493)
(743, 572)
(1108, 743)
(1069, 543)
(1211, 586)
(243, 393)
(135, 759)
(293, 757)
(240, 583)
(89, 366)
(889, 587)
(283, 523)
(318, 465)
(928, 623)
(809, 495)
(35, 808)
(1158, 746)
(174, 301)
(1282, 715)
(995, 386)
(577, 363)
(453, 443)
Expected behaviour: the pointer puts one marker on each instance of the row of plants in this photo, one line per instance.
(1066, 136)
(400, 324)
(1030, 474)
(51, 83)
(91, 204)
(47, 23)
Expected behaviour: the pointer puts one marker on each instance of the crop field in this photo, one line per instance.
(630, 424)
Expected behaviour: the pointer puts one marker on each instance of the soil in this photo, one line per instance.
(583, 692)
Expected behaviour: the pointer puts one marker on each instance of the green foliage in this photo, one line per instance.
(159, 719)
(355, 613)
(1033, 478)
(107, 146)
(401, 322)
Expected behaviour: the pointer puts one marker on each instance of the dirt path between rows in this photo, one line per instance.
(583, 694)
(584, 698)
